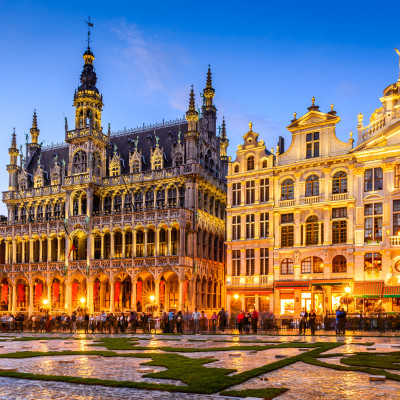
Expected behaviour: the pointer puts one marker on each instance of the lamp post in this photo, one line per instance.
(347, 298)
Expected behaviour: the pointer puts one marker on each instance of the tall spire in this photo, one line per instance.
(13, 140)
(223, 131)
(192, 114)
(209, 91)
(12, 167)
(34, 131)
(224, 142)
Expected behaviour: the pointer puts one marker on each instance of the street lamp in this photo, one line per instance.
(82, 300)
(236, 296)
(347, 289)
(152, 298)
(45, 302)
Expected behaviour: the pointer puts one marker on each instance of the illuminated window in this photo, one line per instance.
(397, 176)
(312, 264)
(339, 225)
(312, 230)
(236, 262)
(157, 163)
(396, 217)
(373, 261)
(312, 145)
(373, 222)
(236, 226)
(136, 167)
(339, 264)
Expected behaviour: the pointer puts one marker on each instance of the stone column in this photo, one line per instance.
(112, 305)
(31, 286)
(181, 244)
(68, 296)
(297, 229)
(133, 296)
(181, 293)
(14, 251)
(14, 298)
(49, 250)
(112, 244)
(157, 293)
(40, 249)
(7, 254)
(134, 232)
(123, 244)
(319, 232)
(90, 300)
(102, 296)
(145, 243)
(169, 240)
(31, 250)
(304, 234)
(102, 246)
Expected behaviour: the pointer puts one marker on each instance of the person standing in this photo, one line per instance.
(312, 317)
(303, 321)
(240, 321)
(222, 319)
(214, 319)
(254, 320)
(196, 321)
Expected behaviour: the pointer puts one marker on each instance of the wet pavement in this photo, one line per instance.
(304, 381)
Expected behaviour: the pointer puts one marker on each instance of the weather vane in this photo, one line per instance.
(90, 25)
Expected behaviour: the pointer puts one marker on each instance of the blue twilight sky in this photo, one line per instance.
(268, 59)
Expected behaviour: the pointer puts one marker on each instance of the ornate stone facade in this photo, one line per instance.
(307, 224)
(128, 221)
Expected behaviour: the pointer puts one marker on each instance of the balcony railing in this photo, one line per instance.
(339, 196)
(312, 199)
(394, 240)
(286, 203)
(256, 280)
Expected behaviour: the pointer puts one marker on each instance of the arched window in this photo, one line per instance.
(138, 200)
(236, 169)
(287, 189)
(117, 245)
(48, 212)
(107, 245)
(172, 197)
(23, 214)
(312, 265)
(150, 242)
(312, 227)
(162, 245)
(107, 204)
(139, 243)
(80, 163)
(31, 214)
(160, 198)
(265, 163)
(339, 183)
(312, 186)
(57, 210)
(39, 213)
(181, 196)
(128, 244)
(75, 205)
(287, 266)
(149, 199)
(83, 203)
(339, 264)
(128, 202)
(97, 247)
(174, 242)
(250, 163)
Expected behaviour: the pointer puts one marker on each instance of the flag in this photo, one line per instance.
(71, 249)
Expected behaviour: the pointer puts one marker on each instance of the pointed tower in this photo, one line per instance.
(88, 101)
(12, 168)
(34, 131)
(209, 112)
(223, 142)
(192, 135)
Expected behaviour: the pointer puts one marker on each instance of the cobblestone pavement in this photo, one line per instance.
(304, 381)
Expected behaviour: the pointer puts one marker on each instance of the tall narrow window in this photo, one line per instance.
(172, 197)
(287, 230)
(264, 190)
(97, 247)
(250, 262)
(139, 243)
(339, 225)
(128, 202)
(250, 192)
(312, 186)
(312, 145)
(250, 226)
(117, 245)
(339, 183)
(236, 262)
(250, 163)
(236, 198)
(397, 176)
(128, 244)
(117, 203)
(236, 226)
(287, 189)
(264, 225)
(312, 230)
(373, 222)
(264, 261)
(150, 242)
(396, 217)
(373, 179)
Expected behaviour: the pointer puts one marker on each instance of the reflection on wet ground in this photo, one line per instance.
(304, 381)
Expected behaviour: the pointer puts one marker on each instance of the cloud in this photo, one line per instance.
(152, 64)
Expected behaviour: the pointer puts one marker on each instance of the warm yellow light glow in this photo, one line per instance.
(152, 298)
(82, 300)
(235, 296)
(347, 289)
(45, 302)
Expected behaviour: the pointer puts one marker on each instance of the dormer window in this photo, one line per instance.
(136, 167)
(250, 163)
(157, 164)
(312, 145)
(114, 171)
(179, 160)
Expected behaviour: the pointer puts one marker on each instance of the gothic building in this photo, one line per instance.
(116, 222)
(317, 225)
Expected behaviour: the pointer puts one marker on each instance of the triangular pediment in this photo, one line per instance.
(313, 118)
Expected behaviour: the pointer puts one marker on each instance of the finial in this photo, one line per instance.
(14, 140)
(136, 142)
(250, 126)
(34, 122)
(277, 149)
(39, 160)
(295, 115)
(272, 150)
(209, 78)
(398, 53)
(115, 149)
(156, 137)
(360, 119)
(192, 100)
(223, 131)
(313, 100)
(90, 25)
(351, 135)
(331, 107)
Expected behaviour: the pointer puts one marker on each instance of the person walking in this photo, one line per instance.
(312, 317)
(86, 323)
(303, 321)
(196, 321)
(214, 319)
(179, 322)
(254, 320)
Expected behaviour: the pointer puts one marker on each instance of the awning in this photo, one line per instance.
(391, 291)
(324, 282)
(368, 289)
(293, 284)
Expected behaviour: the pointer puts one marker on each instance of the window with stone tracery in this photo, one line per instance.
(157, 163)
(80, 162)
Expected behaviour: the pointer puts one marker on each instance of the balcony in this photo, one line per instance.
(394, 240)
(287, 203)
(339, 196)
(249, 281)
(311, 199)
